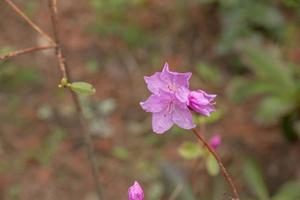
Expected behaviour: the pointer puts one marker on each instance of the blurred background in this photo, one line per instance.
(247, 52)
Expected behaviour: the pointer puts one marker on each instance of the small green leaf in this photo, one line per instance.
(189, 150)
(83, 88)
(212, 165)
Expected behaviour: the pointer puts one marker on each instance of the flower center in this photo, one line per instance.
(172, 87)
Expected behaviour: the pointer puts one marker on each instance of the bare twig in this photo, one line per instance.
(223, 169)
(65, 74)
(25, 51)
(28, 20)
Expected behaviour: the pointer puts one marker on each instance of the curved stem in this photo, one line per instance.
(220, 163)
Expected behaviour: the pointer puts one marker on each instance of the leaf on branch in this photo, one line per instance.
(83, 88)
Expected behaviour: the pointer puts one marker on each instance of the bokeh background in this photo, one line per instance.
(247, 52)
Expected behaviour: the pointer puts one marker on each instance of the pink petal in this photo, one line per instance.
(154, 104)
(166, 68)
(154, 83)
(175, 78)
(166, 75)
(182, 117)
(162, 121)
(182, 79)
(182, 94)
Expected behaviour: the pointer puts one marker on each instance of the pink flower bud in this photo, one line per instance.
(135, 192)
(215, 141)
(201, 102)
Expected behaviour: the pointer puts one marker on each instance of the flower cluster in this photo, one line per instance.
(171, 100)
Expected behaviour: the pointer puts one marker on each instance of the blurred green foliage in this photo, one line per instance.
(192, 151)
(213, 118)
(255, 180)
(42, 154)
(292, 3)
(241, 19)
(120, 153)
(46, 151)
(209, 73)
(14, 77)
(273, 79)
(113, 19)
(14, 191)
(30, 8)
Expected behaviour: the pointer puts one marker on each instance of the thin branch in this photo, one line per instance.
(25, 51)
(28, 20)
(60, 56)
(65, 74)
(223, 169)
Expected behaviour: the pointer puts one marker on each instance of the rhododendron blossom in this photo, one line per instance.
(135, 192)
(171, 100)
(167, 110)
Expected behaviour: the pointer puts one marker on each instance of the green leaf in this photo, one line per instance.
(189, 150)
(212, 165)
(83, 88)
(271, 109)
(255, 180)
(289, 191)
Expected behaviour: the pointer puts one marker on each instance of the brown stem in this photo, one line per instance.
(65, 74)
(24, 51)
(223, 169)
(28, 20)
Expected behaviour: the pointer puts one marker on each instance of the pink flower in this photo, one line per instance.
(167, 110)
(135, 192)
(215, 141)
(201, 102)
(168, 102)
(171, 100)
